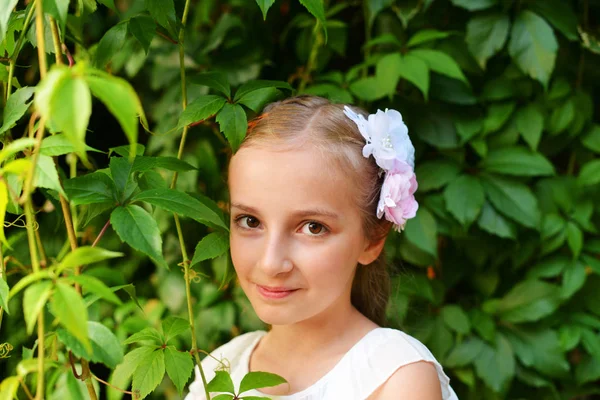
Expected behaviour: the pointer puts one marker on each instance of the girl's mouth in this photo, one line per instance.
(274, 292)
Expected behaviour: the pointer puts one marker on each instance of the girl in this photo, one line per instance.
(314, 190)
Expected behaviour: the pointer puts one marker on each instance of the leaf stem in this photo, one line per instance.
(56, 41)
(2, 276)
(41, 45)
(186, 260)
(101, 233)
(111, 386)
(15, 54)
(312, 58)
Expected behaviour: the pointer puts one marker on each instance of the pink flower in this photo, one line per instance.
(397, 200)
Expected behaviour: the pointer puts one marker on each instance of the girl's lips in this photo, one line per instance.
(274, 292)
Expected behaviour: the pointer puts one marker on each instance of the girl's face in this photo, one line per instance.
(296, 233)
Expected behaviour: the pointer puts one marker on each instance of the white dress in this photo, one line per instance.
(365, 367)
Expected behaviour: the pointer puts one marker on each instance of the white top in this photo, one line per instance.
(365, 367)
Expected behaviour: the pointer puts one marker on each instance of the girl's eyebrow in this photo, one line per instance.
(300, 213)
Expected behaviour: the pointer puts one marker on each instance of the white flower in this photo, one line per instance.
(386, 137)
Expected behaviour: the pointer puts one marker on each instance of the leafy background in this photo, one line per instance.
(499, 272)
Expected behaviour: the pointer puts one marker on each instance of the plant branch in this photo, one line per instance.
(186, 261)
(2, 276)
(56, 41)
(101, 233)
(312, 59)
(111, 386)
(41, 45)
(15, 54)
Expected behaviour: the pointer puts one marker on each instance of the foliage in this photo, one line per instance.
(124, 141)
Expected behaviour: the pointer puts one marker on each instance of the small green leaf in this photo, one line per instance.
(517, 160)
(533, 46)
(58, 145)
(560, 14)
(4, 294)
(146, 163)
(173, 326)
(214, 80)
(562, 117)
(146, 335)
(530, 124)
(441, 63)
(15, 147)
(387, 73)
(85, 255)
(422, 231)
(149, 373)
(257, 99)
(574, 239)
(16, 106)
(92, 188)
(106, 348)
(258, 380)
(121, 376)
(142, 28)
(436, 174)
(180, 203)
(574, 278)
(68, 306)
(465, 352)
(486, 35)
(125, 150)
(163, 11)
(233, 123)
(425, 36)
(497, 115)
(137, 228)
(496, 365)
(96, 286)
(34, 300)
(494, 223)
(464, 199)
(211, 246)
(179, 366)
(3, 205)
(529, 301)
(259, 84)
(416, 71)
(221, 383)
(368, 89)
(46, 175)
(317, 9)
(200, 109)
(513, 199)
(264, 6)
(589, 174)
(112, 41)
(120, 171)
(28, 280)
(456, 319)
(5, 12)
(592, 139)
(474, 5)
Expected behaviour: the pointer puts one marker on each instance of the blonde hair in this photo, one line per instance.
(310, 120)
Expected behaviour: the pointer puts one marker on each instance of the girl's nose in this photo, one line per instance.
(274, 258)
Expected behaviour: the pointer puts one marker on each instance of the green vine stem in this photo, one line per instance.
(2, 276)
(56, 41)
(186, 260)
(311, 65)
(15, 55)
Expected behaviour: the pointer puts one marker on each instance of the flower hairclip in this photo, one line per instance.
(387, 140)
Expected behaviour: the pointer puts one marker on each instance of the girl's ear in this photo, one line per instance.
(371, 251)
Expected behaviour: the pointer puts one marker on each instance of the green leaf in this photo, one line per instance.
(92, 188)
(85, 255)
(4, 188)
(221, 383)
(173, 326)
(214, 80)
(120, 171)
(59, 10)
(16, 106)
(436, 174)
(142, 28)
(180, 203)
(163, 11)
(259, 84)
(592, 139)
(497, 115)
(58, 145)
(464, 198)
(121, 376)
(529, 301)
(179, 366)
(4, 294)
(539, 348)
(422, 231)
(96, 286)
(257, 99)
(387, 73)
(517, 160)
(125, 150)
(121, 100)
(34, 300)
(233, 123)
(258, 380)
(588, 370)
(200, 109)
(112, 41)
(574, 238)
(68, 306)
(494, 223)
(368, 89)
(415, 70)
(137, 228)
(530, 124)
(26, 281)
(425, 36)
(146, 335)
(264, 6)
(146, 163)
(474, 5)
(456, 319)
(574, 278)
(5, 12)
(512, 199)
(441, 63)
(211, 246)
(496, 365)
(106, 348)
(373, 8)
(533, 46)
(562, 117)
(317, 9)
(46, 175)
(589, 173)
(560, 14)
(486, 35)
(149, 373)
(465, 352)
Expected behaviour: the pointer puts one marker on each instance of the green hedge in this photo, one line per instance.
(499, 273)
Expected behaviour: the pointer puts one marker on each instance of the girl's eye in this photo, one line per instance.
(314, 229)
(248, 222)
